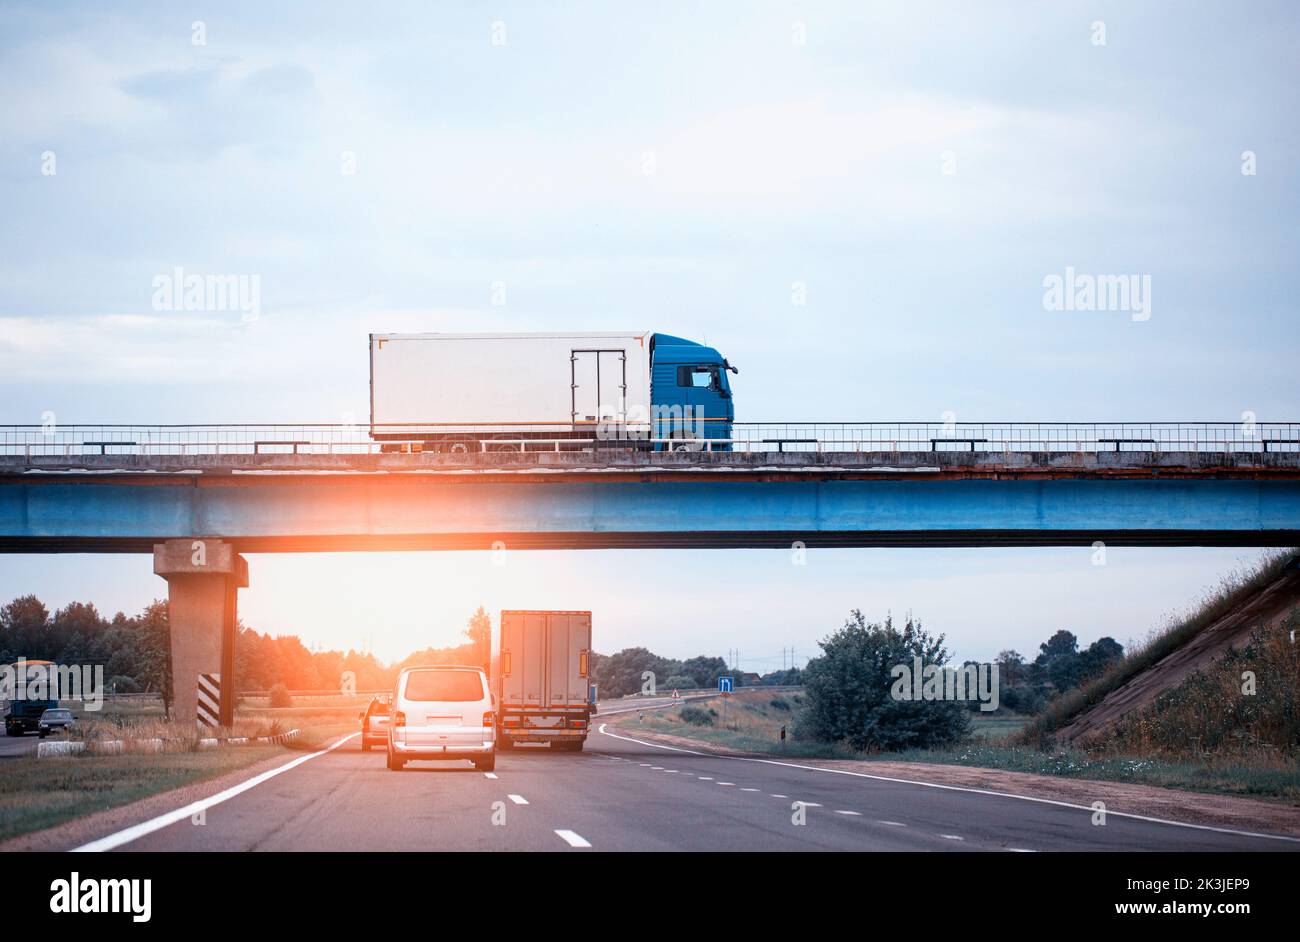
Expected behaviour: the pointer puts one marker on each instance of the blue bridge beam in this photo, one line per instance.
(344, 512)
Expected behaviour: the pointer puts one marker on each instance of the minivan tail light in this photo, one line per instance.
(489, 719)
(399, 718)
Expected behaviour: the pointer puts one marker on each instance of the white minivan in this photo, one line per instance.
(442, 712)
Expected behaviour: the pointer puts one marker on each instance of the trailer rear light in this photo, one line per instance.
(509, 722)
(577, 724)
(399, 718)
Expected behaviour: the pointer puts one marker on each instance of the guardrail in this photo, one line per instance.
(67, 441)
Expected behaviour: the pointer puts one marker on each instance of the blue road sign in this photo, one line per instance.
(725, 684)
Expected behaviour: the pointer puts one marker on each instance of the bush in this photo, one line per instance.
(849, 690)
(679, 682)
(280, 696)
(780, 703)
(697, 716)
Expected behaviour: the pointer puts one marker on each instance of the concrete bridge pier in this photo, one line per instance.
(203, 578)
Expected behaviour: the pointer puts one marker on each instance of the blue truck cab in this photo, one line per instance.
(690, 392)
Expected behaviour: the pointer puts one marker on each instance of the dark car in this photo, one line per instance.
(57, 720)
(374, 724)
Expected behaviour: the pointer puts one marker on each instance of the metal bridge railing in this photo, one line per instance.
(33, 441)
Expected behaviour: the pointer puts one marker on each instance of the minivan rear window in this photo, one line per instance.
(444, 686)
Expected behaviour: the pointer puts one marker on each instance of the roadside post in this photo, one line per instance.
(725, 685)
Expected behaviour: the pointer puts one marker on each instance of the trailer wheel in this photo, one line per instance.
(488, 764)
(505, 742)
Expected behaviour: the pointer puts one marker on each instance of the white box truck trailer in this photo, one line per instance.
(541, 675)
(518, 392)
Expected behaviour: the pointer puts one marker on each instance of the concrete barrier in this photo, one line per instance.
(110, 747)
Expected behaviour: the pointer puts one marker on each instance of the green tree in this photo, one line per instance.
(849, 689)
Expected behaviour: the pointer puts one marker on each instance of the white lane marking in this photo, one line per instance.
(1021, 850)
(780, 796)
(728, 784)
(671, 771)
(852, 814)
(706, 778)
(952, 837)
(749, 789)
(518, 799)
(961, 788)
(489, 775)
(572, 839)
(137, 831)
(808, 804)
(893, 824)
(656, 768)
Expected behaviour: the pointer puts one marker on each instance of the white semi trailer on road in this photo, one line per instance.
(541, 676)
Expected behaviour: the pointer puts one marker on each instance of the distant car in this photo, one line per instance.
(442, 713)
(55, 721)
(374, 724)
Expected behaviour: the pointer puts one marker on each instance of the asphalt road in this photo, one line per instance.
(18, 745)
(623, 795)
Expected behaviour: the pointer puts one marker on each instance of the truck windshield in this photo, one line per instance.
(444, 686)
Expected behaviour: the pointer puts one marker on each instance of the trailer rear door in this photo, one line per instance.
(569, 643)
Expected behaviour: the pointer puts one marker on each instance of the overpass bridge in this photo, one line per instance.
(198, 497)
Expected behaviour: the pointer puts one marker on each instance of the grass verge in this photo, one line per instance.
(753, 727)
(41, 793)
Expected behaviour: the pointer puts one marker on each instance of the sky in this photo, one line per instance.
(911, 172)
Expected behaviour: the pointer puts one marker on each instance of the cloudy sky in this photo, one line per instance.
(917, 168)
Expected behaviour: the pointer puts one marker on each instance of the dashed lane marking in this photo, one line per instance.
(572, 839)
(958, 788)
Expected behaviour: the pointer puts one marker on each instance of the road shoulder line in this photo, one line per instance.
(958, 788)
(137, 831)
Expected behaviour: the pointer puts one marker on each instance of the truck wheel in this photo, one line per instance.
(11, 731)
(395, 764)
(365, 744)
(486, 765)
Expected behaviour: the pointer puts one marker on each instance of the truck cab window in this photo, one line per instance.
(700, 377)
